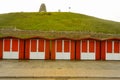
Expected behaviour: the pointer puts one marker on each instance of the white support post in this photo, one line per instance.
(105, 46)
(62, 46)
(95, 46)
(37, 43)
(80, 46)
(113, 47)
(30, 46)
(18, 45)
(55, 46)
(3, 45)
(88, 46)
(70, 46)
(10, 45)
(44, 45)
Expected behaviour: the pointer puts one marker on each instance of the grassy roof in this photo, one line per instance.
(35, 22)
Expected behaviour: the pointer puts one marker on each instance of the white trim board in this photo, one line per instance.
(87, 56)
(37, 55)
(112, 56)
(10, 55)
(61, 55)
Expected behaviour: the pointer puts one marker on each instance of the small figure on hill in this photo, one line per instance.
(59, 10)
(42, 8)
(69, 8)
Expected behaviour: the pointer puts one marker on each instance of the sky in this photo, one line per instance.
(105, 9)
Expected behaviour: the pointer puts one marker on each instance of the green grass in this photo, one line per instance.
(57, 21)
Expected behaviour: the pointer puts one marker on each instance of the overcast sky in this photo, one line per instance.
(106, 9)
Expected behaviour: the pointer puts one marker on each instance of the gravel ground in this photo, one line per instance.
(58, 79)
(59, 70)
(60, 64)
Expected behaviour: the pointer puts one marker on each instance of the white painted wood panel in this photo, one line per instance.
(112, 56)
(61, 55)
(10, 55)
(37, 55)
(88, 56)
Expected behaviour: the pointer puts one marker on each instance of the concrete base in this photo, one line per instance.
(43, 69)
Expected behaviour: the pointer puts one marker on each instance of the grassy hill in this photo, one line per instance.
(57, 21)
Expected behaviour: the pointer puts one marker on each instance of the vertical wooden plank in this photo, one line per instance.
(59, 45)
(6, 44)
(98, 56)
(41, 45)
(1, 48)
(109, 46)
(47, 49)
(33, 45)
(72, 50)
(66, 45)
(21, 49)
(14, 44)
(78, 50)
(116, 46)
(119, 46)
(91, 45)
(84, 45)
(53, 53)
(27, 49)
(103, 50)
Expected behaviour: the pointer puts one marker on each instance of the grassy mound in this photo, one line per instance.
(57, 21)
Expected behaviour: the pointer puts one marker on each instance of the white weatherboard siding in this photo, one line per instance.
(11, 54)
(88, 55)
(112, 56)
(37, 54)
(65, 55)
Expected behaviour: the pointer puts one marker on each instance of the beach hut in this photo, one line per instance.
(37, 48)
(11, 48)
(63, 48)
(110, 49)
(88, 49)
